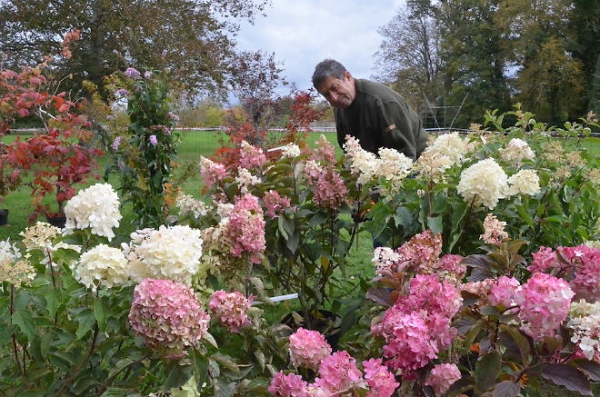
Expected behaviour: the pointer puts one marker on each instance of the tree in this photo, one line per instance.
(255, 77)
(474, 59)
(187, 37)
(549, 80)
(408, 55)
(585, 47)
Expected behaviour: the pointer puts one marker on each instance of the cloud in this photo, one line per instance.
(302, 33)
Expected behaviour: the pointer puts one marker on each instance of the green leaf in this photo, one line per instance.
(24, 320)
(178, 376)
(52, 302)
(100, 314)
(487, 370)
(200, 367)
(569, 377)
(507, 389)
(87, 320)
(436, 224)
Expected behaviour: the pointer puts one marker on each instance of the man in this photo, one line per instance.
(372, 112)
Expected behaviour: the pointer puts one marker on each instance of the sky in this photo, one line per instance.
(302, 33)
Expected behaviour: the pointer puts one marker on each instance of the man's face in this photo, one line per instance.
(340, 93)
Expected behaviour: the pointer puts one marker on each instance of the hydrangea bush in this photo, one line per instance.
(486, 277)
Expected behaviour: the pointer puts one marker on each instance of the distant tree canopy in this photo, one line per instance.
(189, 38)
(491, 54)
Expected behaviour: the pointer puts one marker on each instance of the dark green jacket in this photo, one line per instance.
(380, 117)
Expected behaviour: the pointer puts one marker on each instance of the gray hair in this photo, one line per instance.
(327, 68)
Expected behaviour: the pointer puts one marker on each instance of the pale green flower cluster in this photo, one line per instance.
(96, 207)
(171, 253)
(102, 265)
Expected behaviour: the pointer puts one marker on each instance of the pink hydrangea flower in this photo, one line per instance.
(418, 326)
(542, 260)
(338, 372)
(380, 381)
(229, 308)
(251, 156)
(326, 184)
(585, 261)
(450, 265)
(290, 385)
(503, 291)
(428, 293)
(422, 251)
(308, 348)
(544, 303)
(167, 315)
(212, 173)
(275, 204)
(408, 339)
(246, 228)
(441, 377)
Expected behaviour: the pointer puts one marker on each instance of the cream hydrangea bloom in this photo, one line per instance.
(393, 165)
(516, 151)
(102, 265)
(524, 182)
(362, 163)
(451, 145)
(13, 268)
(96, 207)
(484, 183)
(171, 253)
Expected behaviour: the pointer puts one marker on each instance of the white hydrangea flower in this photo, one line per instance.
(361, 162)
(585, 324)
(245, 179)
(39, 236)
(524, 182)
(516, 151)
(189, 205)
(9, 252)
(393, 165)
(96, 207)
(484, 183)
(433, 165)
(171, 253)
(451, 145)
(102, 265)
(290, 150)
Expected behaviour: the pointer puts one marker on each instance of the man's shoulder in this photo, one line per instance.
(373, 90)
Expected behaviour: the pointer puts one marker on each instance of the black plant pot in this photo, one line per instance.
(3, 217)
(324, 321)
(58, 221)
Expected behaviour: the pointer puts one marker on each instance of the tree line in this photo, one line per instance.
(454, 59)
